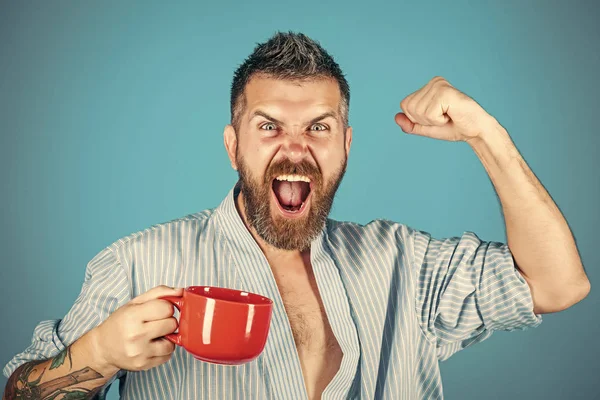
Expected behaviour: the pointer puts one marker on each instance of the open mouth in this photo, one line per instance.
(292, 192)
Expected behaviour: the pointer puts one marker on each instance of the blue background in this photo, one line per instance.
(111, 119)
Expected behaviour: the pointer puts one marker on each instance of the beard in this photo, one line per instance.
(280, 232)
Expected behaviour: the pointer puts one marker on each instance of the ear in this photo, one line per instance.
(348, 140)
(230, 139)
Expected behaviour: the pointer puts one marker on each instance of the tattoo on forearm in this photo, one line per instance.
(22, 385)
(60, 359)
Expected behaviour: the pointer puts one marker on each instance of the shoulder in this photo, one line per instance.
(374, 233)
(173, 230)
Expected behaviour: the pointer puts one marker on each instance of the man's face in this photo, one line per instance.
(290, 150)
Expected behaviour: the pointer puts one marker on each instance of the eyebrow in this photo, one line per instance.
(328, 114)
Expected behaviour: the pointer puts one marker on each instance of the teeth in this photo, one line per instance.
(293, 178)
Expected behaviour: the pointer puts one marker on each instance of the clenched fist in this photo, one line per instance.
(440, 111)
(132, 337)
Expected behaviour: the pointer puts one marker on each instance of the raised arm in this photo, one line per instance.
(538, 235)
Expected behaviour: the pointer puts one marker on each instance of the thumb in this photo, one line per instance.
(156, 293)
(410, 127)
(436, 132)
(405, 124)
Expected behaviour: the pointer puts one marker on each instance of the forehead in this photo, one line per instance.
(292, 96)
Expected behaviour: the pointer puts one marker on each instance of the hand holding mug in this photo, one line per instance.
(132, 338)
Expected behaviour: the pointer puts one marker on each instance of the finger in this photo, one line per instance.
(439, 104)
(156, 361)
(436, 132)
(161, 347)
(421, 101)
(405, 106)
(427, 106)
(417, 103)
(153, 362)
(417, 96)
(435, 115)
(154, 310)
(157, 329)
(430, 108)
(157, 292)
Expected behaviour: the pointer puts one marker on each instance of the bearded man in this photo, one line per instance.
(359, 311)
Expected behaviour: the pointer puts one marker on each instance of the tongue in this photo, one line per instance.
(291, 193)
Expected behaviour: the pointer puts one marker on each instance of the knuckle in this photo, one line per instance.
(445, 90)
(163, 289)
(133, 336)
(132, 349)
(124, 311)
(173, 324)
(161, 309)
(429, 112)
(132, 353)
(166, 308)
(166, 347)
(130, 313)
(440, 96)
(166, 350)
(169, 347)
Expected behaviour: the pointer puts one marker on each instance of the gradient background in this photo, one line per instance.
(111, 120)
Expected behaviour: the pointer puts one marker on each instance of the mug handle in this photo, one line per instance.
(177, 301)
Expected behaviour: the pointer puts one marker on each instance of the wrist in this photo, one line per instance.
(492, 138)
(92, 348)
(496, 150)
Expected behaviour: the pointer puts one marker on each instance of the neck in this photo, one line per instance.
(272, 253)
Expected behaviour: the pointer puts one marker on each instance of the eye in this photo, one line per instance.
(318, 127)
(269, 126)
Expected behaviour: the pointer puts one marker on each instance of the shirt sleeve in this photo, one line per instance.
(467, 289)
(105, 288)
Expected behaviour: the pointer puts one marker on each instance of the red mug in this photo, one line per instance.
(220, 325)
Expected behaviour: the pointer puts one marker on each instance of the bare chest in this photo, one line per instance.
(308, 320)
(319, 352)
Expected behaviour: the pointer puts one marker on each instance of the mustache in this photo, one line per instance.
(287, 167)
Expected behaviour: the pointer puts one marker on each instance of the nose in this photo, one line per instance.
(295, 148)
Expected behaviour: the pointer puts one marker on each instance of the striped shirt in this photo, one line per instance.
(398, 302)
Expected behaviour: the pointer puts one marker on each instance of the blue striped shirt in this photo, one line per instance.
(398, 302)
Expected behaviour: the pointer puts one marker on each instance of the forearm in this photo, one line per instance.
(76, 372)
(538, 235)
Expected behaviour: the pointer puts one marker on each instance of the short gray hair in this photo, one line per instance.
(291, 56)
